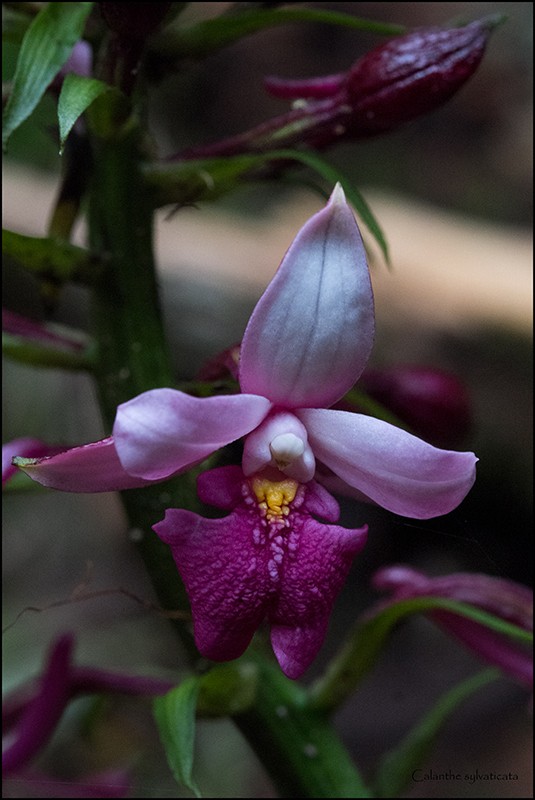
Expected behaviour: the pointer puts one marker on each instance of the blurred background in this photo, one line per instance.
(453, 193)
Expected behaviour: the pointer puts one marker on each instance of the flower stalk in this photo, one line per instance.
(132, 358)
(131, 350)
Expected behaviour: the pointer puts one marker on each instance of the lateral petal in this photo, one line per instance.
(91, 467)
(396, 470)
(24, 447)
(310, 335)
(163, 431)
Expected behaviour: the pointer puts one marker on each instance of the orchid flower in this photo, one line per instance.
(306, 344)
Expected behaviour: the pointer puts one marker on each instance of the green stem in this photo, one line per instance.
(300, 750)
(132, 353)
(296, 743)
(26, 351)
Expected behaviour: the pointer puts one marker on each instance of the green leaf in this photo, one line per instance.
(332, 175)
(184, 182)
(77, 94)
(175, 717)
(46, 46)
(358, 656)
(397, 766)
(209, 35)
(192, 181)
(227, 689)
(28, 351)
(50, 259)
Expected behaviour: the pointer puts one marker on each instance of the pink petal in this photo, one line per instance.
(321, 503)
(318, 562)
(162, 432)
(501, 597)
(221, 487)
(26, 447)
(393, 468)
(241, 569)
(489, 645)
(225, 577)
(92, 467)
(311, 333)
(56, 336)
(41, 715)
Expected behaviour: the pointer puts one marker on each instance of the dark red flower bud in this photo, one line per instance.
(433, 403)
(393, 83)
(133, 21)
(413, 74)
(131, 24)
(222, 366)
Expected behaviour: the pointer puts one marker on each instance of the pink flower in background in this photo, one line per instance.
(503, 598)
(31, 714)
(434, 403)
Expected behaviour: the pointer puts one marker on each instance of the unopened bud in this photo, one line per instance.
(222, 366)
(133, 21)
(395, 82)
(433, 403)
(412, 75)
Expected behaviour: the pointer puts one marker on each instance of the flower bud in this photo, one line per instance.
(133, 21)
(413, 74)
(130, 25)
(222, 366)
(433, 403)
(395, 82)
(80, 62)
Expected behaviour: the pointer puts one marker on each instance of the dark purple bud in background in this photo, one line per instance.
(133, 21)
(131, 24)
(413, 74)
(434, 404)
(324, 86)
(395, 82)
(222, 366)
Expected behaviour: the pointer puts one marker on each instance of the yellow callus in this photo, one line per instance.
(274, 497)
